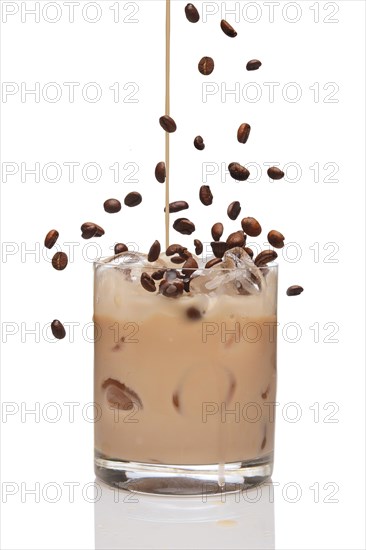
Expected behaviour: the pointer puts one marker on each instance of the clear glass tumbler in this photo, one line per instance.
(185, 386)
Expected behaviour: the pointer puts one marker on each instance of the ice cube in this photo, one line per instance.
(130, 264)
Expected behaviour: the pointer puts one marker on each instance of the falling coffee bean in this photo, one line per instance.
(265, 257)
(249, 251)
(112, 206)
(51, 238)
(190, 266)
(198, 143)
(219, 248)
(198, 247)
(159, 274)
(119, 248)
(234, 210)
(253, 65)
(177, 260)
(60, 261)
(58, 329)
(238, 172)
(217, 231)
(206, 196)
(100, 231)
(90, 230)
(154, 252)
(184, 226)
(294, 290)
(213, 262)
(133, 199)
(174, 249)
(193, 313)
(243, 132)
(228, 29)
(168, 124)
(160, 172)
(275, 239)
(148, 282)
(235, 239)
(206, 66)
(177, 206)
(192, 13)
(275, 173)
(251, 227)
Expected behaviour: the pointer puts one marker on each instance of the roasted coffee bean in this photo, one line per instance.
(120, 396)
(206, 196)
(177, 260)
(234, 210)
(160, 172)
(175, 400)
(168, 124)
(228, 29)
(154, 252)
(177, 206)
(265, 257)
(88, 230)
(193, 313)
(148, 282)
(51, 238)
(185, 254)
(184, 226)
(58, 329)
(243, 132)
(275, 239)
(60, 261)
(119, 248)
(217, 231)
(206, 66)
(253, 65)
(171, 289)
(249, 251)
(192, 13)
(99, 232)
(112, 206)
(294, 290)
(174, 249)
(213, 262)
(198, 247)
(235, 239)
(238, 172)
(198, 143)
(133, 199)
(251, 227)
(219, 248)
(159, 274)
(190, 266)
(275, 173)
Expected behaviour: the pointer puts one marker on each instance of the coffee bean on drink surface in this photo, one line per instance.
(192, 13)
(198, 247)
(51, 238)
(184, 226)
(148, 282)
(154, 252)
(168, 124)
(193, 313)
(294, 290)
(251, 227)
(235, 239)
(190, 266)
(206, 196)
(133, 199)
(249, 251)
(177, 206)
(219, 248)
(206, 66)
(199, 143)
(119, 248)
(58, 329)
(177, 260)
(60, 261)
(253, 65)
(234, 210)
(217, 231)
(160, 172)
(265, 257)
(213, 262)
(275, 173)
(112, 206)
(228, 29)
(238, 172)
(276, 239)
(159, 274)
(243, 132)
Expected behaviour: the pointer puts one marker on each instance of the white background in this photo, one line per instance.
(324, 221)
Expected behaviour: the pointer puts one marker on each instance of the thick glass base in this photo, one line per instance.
(183, 480)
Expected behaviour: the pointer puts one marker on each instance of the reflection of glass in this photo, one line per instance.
(242, 520)
(185, 385)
